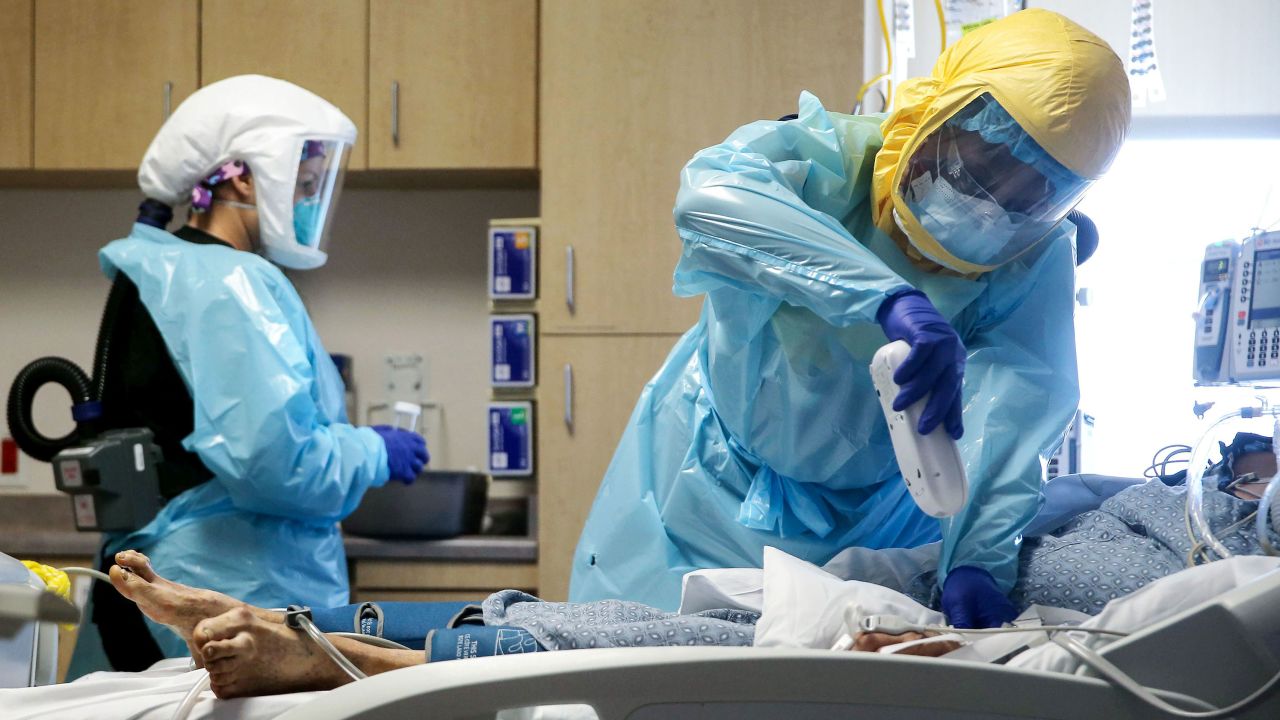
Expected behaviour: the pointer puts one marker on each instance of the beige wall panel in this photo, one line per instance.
(322, 45)
(629, 92)
(608, 374)
(467, 75)
(101, 73)
(15, 83)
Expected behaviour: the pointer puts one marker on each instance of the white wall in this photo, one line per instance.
(1217, 58)
(405, 275)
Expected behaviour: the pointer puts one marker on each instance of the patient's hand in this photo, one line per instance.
(872, 642)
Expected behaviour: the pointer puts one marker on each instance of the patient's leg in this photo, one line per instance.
(170, 603)
(246, 655)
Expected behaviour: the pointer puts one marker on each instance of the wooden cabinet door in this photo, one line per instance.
(15, 83)
(608, 373)
(452, 84)
(629, 92)
(322, 45)
(106, 74)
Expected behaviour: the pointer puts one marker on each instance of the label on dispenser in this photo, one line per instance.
(511, 357)
(513, 258)
(510, 439)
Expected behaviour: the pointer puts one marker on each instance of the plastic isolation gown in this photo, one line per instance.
(270, 423)
(763, 428)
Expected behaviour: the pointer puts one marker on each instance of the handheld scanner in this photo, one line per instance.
(930, 464)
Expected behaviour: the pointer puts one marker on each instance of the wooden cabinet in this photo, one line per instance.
(452, 84)
(437, 581)
(15, 83)
(608, 373)
(322, 45)
(629, 92)
(106, 74)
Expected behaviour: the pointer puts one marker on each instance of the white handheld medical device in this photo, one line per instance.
(1212, 364)
(930, 464)
(1238, 313)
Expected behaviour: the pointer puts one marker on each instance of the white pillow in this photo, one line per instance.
(804, 605)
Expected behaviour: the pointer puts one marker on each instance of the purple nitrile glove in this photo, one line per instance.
(935, 365)
(970, 599)
(406, 452)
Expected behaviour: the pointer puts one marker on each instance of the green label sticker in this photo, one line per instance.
(970, 27)
(518, 416)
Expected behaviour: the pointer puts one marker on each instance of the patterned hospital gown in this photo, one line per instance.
(615, 623)
(1135, 537)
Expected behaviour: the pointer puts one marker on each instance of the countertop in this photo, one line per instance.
(41, 526)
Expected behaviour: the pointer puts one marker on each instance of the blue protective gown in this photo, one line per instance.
(270, 424)
(763, 427)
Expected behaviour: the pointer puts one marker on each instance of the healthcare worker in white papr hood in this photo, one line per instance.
(216, 354)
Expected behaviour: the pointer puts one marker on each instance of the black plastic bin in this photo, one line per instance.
(438, 504)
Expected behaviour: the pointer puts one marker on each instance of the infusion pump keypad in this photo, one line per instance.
(1257, 309)
(1264, 347)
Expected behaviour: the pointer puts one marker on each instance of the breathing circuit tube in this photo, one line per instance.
(86, 394)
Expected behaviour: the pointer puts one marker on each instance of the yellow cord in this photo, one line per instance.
(942, 23)
(888, 48)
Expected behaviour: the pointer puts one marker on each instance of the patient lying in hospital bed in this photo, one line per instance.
(1132, 539)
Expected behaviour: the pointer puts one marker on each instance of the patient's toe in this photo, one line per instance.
(138, 563)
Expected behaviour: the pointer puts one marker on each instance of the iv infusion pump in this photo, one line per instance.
(1238, 314)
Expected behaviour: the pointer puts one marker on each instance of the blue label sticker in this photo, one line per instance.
(512, 263)
(511, 357)
(510, 439)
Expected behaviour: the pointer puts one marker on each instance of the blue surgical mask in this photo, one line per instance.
(976, 230)
(305, 216)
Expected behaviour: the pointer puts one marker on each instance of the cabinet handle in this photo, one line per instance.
(568, 278)
(568, 397)
(168, 99)
(395, 113)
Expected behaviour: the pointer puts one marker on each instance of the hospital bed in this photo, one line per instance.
(1220, 651)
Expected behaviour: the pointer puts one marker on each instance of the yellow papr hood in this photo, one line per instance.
(1063, 84)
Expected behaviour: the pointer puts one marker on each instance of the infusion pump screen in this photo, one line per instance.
(1216, 270)
(1264, 310)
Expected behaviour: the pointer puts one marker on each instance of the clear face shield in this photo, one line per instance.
(319, 182)
(983, 190)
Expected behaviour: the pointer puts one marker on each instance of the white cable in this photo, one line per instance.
(334, 654)
(844, 643)
(894, 625)
(1122, 680)
(373, 640)
(895, 649)
(1266, 512)
(192, 697)
(90, 572)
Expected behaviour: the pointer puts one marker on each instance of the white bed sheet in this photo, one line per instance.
(153, 694)
(803, 607)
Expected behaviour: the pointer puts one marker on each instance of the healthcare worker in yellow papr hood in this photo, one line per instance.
(815, 241)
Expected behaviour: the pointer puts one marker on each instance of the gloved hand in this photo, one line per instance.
(406, 452)
(935, 365)
(970, 599)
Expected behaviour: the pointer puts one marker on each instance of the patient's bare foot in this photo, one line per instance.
(164, 601)
(246, 655)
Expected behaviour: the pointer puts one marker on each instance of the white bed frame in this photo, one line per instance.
(1220, 650)
(737, 683)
